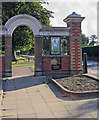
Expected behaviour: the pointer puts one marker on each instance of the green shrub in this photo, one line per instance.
(92, 51)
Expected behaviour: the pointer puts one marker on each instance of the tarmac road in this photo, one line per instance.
(93, 68)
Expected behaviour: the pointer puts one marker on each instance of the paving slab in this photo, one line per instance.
(45, 115)
(22, 116)
(30, 97)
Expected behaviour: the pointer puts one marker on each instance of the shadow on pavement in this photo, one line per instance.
(30, 81)
(21, 83)
(88, 106)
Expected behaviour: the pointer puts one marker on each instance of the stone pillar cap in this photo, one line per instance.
(74, 17)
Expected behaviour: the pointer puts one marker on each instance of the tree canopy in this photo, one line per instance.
(85, 40)
(22, 39)
(35, 9)
(89, 41)
(93, 39)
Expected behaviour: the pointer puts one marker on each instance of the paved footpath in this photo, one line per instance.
(32, 97)
(21, 71)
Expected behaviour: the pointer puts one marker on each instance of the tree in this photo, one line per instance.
(35, 9)
(23, 36)
(93, 39)
(85, 40)
(22, 40)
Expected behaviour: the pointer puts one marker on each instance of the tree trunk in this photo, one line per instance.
(13, 55)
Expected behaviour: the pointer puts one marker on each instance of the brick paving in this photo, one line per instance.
(31, 97)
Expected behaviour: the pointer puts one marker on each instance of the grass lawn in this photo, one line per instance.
(22, 61)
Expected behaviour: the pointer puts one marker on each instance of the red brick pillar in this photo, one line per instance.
(75, 44)
(8, 56)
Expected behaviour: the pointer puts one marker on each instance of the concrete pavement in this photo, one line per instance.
(35, 97)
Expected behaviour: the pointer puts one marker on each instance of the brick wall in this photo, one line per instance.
(46, 63)
(65, 63)
(65, 66)
(2, 66)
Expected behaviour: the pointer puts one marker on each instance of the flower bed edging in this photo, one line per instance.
(72, 94)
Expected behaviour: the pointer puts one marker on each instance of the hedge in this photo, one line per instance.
(92, 51)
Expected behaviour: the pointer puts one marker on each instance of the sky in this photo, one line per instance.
(63, 8)
(86, 8)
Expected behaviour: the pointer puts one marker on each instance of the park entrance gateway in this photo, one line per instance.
(55, 62)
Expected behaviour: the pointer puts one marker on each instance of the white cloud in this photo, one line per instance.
(87, 9)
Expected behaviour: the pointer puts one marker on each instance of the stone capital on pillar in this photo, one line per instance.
(74, 17)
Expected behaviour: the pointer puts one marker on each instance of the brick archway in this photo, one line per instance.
(10, 26)
(74, 49)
